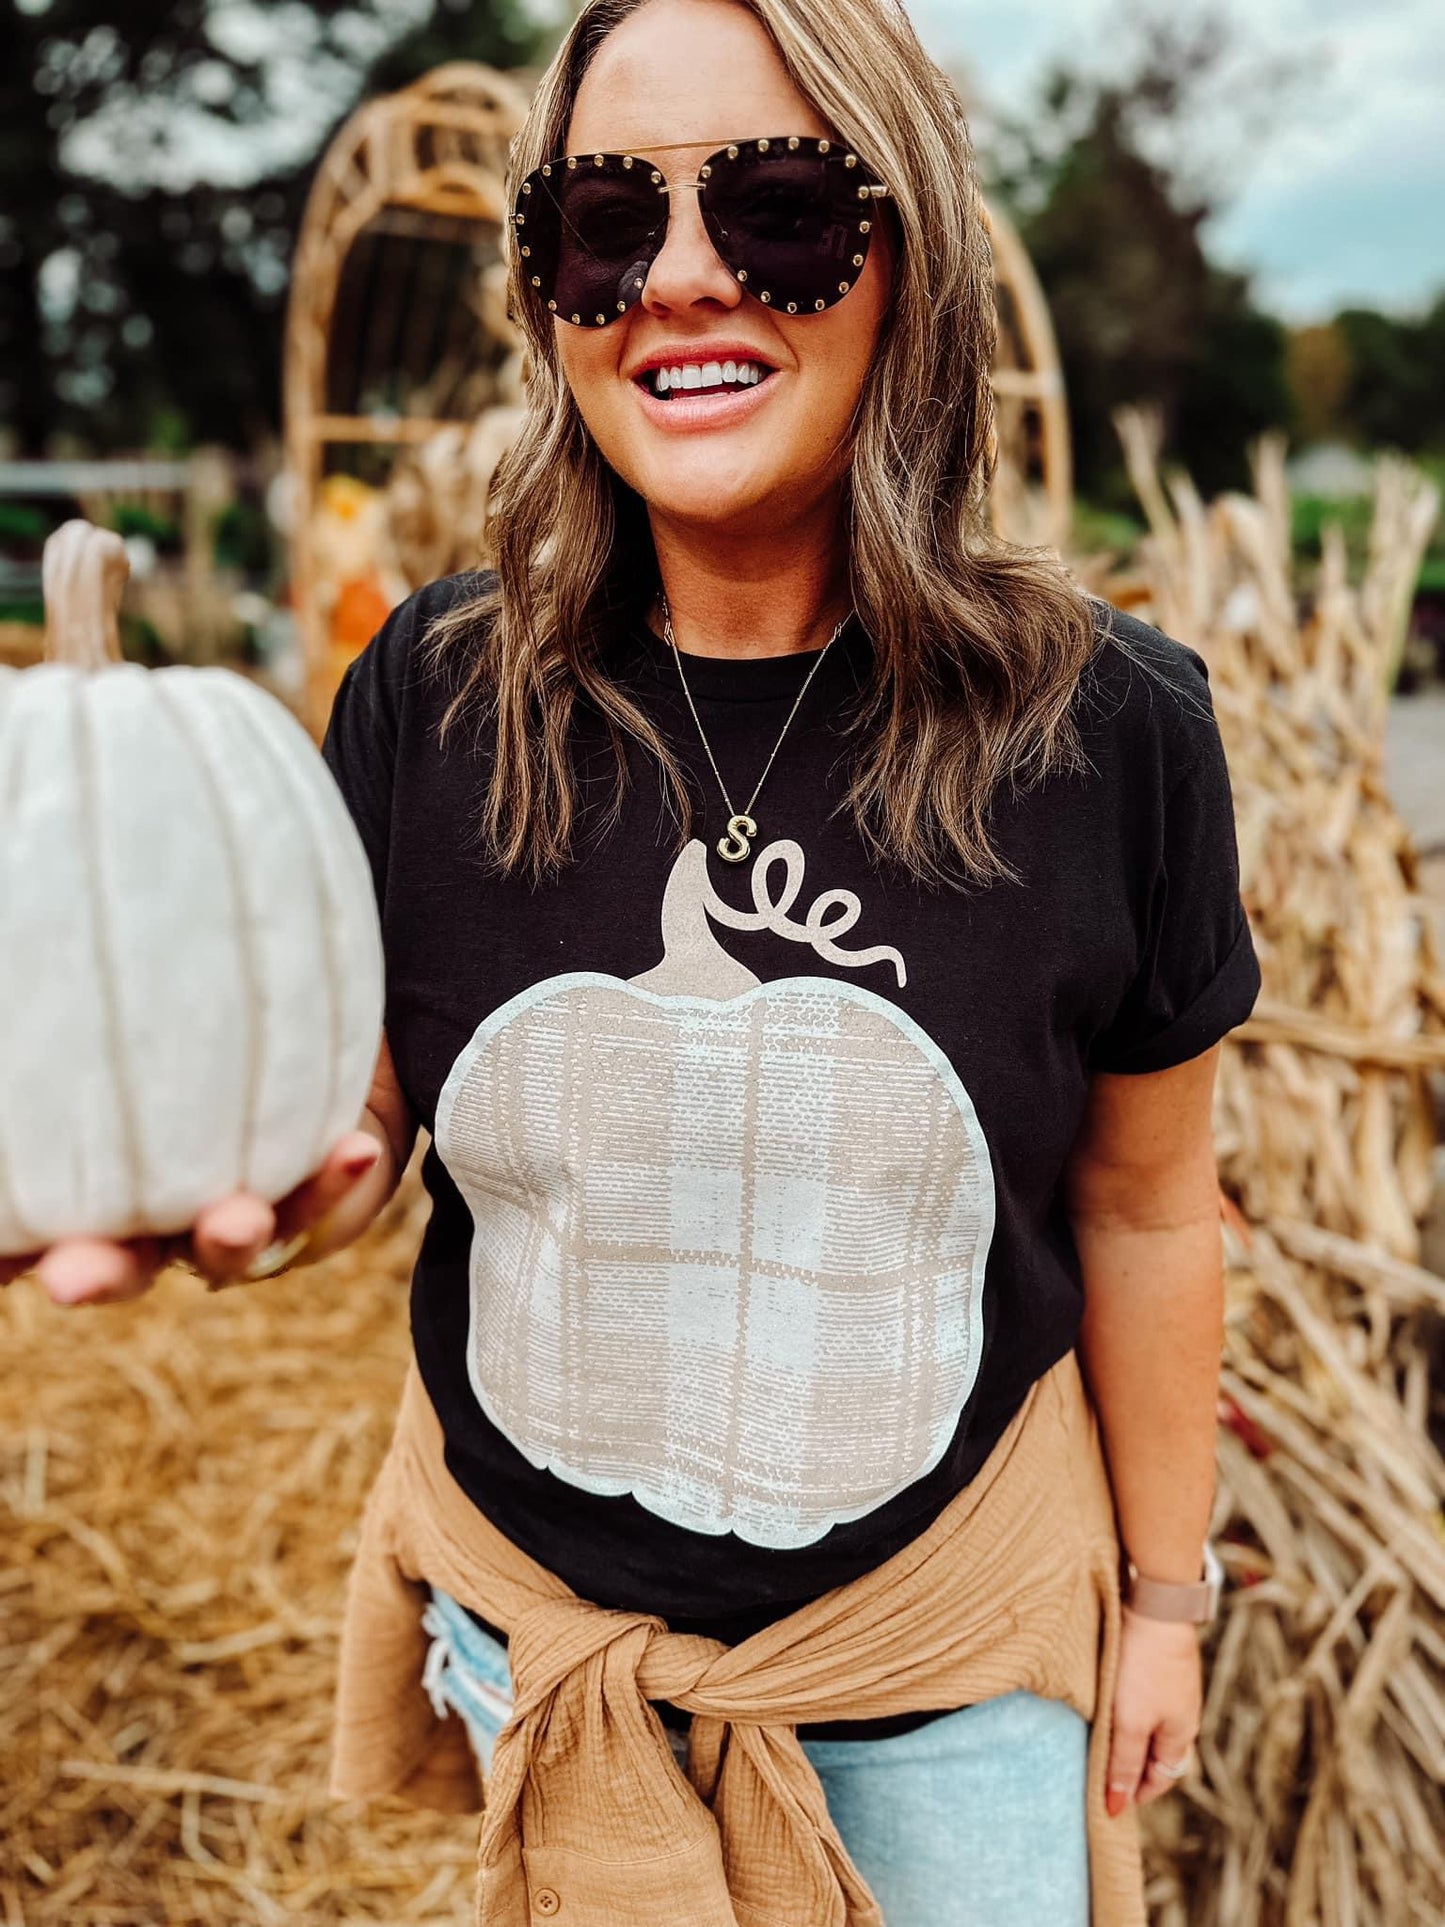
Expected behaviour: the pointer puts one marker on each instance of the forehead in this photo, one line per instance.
(679, 73)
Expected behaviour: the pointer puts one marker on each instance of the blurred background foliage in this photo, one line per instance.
(155, 157)
(141, 301)
(1105, 181)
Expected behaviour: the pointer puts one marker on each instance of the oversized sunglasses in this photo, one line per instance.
(790, 216)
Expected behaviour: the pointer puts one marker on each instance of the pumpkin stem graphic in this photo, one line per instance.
(694, 963)
(85, 571)
(832, 914)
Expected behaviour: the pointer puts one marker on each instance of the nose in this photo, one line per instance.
(688, 271)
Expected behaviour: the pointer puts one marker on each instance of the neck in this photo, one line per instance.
(752, 595)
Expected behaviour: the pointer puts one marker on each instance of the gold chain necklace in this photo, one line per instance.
(737, 845)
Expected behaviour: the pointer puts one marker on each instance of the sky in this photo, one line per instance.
(1336, 187)
(1338, 197)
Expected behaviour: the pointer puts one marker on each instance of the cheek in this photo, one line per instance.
(590, 360)
(836, 351)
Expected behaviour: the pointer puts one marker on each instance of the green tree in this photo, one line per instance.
(135, 290)
(1114, 224)
(1396, 392)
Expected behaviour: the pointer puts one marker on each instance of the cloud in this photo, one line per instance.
(1342, 200)
(177, 139)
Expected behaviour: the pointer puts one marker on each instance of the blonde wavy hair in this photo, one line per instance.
(978, 646)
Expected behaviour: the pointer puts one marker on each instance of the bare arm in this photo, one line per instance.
(1142, 1192)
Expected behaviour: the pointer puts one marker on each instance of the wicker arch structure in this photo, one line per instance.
(403, 370)
(1033, 490)
(394, 330)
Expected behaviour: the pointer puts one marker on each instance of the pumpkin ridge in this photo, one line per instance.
(326, 811)
(132, 1149)
(333, 977)
(12, 762)
(190, 732)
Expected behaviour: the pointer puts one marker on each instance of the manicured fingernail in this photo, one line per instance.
(1115, 1801)
(360, 1162)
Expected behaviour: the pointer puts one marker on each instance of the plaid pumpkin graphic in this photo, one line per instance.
(729, 1240)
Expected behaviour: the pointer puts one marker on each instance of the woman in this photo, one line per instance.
(780, 1149)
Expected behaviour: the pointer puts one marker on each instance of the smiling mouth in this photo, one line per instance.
(703, 378)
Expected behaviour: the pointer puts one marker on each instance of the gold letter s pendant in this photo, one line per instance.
(737, 845)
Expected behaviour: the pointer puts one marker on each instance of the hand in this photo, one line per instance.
(1158, 1700)
(227, 1236)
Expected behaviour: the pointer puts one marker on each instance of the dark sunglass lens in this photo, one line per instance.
(590, 234)
(790, 223)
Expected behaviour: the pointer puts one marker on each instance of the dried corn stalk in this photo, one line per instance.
(1318, 1794)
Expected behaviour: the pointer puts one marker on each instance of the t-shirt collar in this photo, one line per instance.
(746, 678)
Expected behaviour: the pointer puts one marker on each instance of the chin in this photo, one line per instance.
(718, 509)
(692, 488)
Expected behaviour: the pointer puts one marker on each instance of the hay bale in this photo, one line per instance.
(181, 1480)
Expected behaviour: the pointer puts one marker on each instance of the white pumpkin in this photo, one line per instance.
(190, 956)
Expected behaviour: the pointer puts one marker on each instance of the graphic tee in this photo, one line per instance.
(746, 1241)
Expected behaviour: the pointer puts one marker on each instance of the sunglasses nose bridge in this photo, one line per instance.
(687, 264)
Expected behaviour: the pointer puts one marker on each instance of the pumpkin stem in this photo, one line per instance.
(84, 571)
(694, 963)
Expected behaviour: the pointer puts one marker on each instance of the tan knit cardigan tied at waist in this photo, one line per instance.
(587, 1818)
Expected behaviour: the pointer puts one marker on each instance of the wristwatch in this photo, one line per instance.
(1168, 1599)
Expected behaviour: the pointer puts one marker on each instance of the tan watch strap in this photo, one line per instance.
(1196, 1601)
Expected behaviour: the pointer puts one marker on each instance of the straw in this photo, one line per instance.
(1318, 1796)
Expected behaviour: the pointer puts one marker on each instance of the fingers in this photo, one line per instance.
(1137, 1761)
(232, 1233)
(1171, 1748)
(228, 1236)
(1127, 1753)
(96, 1271)
(348, 1161)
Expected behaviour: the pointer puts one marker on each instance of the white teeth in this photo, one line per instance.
(707, 374)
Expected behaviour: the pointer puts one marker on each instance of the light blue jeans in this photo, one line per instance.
(975, 1820)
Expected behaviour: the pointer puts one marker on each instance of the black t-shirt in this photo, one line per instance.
(746, 1240)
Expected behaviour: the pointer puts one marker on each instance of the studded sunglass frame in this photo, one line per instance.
(790, 216)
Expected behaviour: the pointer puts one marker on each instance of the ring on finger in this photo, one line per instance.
(1176, 1771)
(278, 1255)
